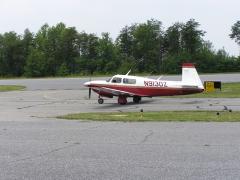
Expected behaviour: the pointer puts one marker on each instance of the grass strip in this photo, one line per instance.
(4, 88)
(161, 116)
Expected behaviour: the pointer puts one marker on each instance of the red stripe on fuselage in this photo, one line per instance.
(151, 91)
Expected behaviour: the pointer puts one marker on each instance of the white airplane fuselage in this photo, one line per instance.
(145, 87)
(135, 86)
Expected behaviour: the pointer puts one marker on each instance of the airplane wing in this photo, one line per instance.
(116, 92)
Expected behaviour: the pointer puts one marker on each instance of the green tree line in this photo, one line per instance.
(143, 47)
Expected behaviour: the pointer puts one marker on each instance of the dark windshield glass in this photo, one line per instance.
(116, 80)
(108, 80)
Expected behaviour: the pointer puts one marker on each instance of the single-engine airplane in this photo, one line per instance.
(124, 86)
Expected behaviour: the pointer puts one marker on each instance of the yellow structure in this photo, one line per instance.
(209, 86)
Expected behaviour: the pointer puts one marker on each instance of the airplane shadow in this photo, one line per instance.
(107, 105)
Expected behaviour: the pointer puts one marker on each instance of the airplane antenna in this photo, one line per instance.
(134, 65)
(128, 72)
(160, 77)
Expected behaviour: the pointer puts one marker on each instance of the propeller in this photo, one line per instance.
(89, 93)
(90, 89)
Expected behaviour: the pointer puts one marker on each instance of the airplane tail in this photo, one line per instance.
(190, 75)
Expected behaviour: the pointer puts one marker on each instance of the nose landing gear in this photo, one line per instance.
(100, 100)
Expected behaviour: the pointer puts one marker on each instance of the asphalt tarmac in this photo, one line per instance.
(77, 83)
(36, 145)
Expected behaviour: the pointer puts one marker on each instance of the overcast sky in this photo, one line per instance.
(95, 16)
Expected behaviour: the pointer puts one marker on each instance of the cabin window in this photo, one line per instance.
(129, 81)
(116, 80)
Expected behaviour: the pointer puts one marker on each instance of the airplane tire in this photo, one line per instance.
(100, 101)
(122, 100)
(136, 99)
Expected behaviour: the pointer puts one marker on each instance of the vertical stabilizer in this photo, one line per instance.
(190, 75)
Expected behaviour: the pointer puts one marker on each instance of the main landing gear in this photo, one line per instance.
(136, 99)
(122, 100)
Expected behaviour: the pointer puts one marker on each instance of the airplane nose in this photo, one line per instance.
(87, 84)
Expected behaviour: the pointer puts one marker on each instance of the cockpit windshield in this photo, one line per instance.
(116, 80)
(108, 80)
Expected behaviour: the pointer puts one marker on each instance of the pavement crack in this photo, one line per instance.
(91, 128)
(45, 153)
(146, 137)
(25, 107)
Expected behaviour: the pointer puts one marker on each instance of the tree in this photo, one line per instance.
(142, 42)
(206, 58)
(125, 41)
(142, 47)
(67, 47)
(12, 55)
(36, 64)
(87, 61)
(27, 42)
(63, 70)
(192, 37)
(148, 40)
(107, 55)
(236, 32)
(173, 38)
(60, 44)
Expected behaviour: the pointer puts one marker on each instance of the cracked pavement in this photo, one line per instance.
(51, 149)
